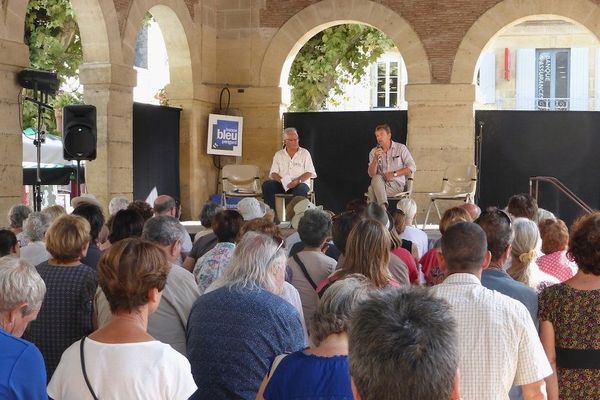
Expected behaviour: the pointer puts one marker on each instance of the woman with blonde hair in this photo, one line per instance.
(367, 253)
(524, 252)
(66, 314)
(132, 275)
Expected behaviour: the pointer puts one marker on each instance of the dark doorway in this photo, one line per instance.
(155, 150)
(339, 143)
(521, 144)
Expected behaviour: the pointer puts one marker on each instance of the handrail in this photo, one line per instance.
(561, 187)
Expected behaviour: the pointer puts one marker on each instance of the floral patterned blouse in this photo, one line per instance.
(575, 316)
(213, 264)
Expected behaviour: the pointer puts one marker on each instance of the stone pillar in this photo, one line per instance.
(15, 57)
(110, 88)
(441, 122)
(261, 109)
(197, 173)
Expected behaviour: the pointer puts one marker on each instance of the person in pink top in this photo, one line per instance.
(555, 237)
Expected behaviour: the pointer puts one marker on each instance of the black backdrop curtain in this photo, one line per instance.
(155, 150)
(520, 144)
(339, 143)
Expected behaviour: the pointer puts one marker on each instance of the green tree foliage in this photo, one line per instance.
(53, 38)
(52, 34)
(334, 57)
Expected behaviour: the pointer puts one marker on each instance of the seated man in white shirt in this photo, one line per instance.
(389, 163)
(498, 342)
(291, 170)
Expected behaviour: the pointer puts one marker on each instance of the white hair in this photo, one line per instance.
(36, 225)
(256, 260)
(287, 131)
(409, 208)
(20, 283)
(117, 204)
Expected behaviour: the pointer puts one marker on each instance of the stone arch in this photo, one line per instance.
(512, 12)
(290, 38)
(177, 28)
(99, 44)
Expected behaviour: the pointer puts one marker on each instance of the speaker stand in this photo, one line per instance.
(77, 178)
(40, 99)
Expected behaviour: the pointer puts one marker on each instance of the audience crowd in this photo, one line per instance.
(358, 305)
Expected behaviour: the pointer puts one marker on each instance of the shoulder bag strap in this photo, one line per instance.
(304, 271)
(87, 381)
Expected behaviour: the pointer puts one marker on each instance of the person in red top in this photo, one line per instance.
(429, 262)
(555, 238)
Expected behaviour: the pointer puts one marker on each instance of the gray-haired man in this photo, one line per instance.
(403, 345)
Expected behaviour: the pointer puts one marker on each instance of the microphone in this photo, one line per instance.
(379, 158)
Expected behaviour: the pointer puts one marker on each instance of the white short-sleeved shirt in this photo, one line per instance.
(499, 345)
(418, 237)
(295, 166)
(145, 370)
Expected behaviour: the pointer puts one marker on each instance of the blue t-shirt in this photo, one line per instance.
(306, 376)
(233, 335)
(22, 370)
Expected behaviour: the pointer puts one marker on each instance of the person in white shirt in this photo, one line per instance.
(121, 360)
(291, 170)
(498, 342)
(411, 232)
(389, 163)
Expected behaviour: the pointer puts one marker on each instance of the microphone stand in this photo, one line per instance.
(478, 159)
(40, 99)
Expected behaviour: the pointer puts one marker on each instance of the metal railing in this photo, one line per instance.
(534, 184)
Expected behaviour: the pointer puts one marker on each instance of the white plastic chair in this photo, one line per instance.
(459, 183)
(239, 180)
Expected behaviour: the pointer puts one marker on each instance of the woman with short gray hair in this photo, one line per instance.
(235, 330)
(321, 371)
(16, 216)
(22, 369)
(35, 227)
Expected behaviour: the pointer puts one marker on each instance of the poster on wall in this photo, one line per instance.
(224, 135)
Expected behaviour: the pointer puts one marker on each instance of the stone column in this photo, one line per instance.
(110, 88)
(441, 122)
(261, 109)
(197, 173)
(15, 57)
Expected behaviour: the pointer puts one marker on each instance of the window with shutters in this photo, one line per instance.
(552, 79)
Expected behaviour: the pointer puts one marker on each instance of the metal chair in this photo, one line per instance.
(282, 198)
(408, 188)
(459, 183)
(240, 181)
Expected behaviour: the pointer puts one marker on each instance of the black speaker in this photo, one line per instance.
(44, 81)
(79, 132)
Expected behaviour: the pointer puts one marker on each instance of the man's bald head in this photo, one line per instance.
(164, 205)
(473, 210)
